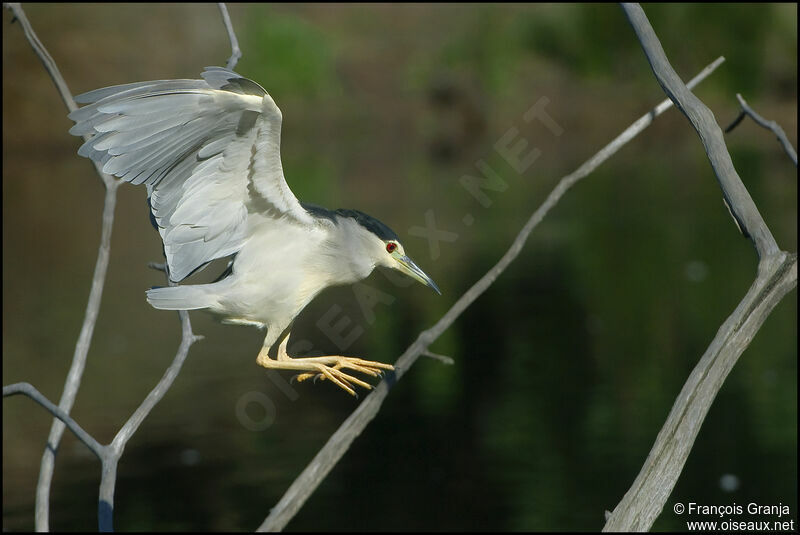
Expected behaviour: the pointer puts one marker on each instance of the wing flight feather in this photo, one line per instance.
(208, 151)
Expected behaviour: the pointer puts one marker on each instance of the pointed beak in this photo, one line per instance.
(408, 267)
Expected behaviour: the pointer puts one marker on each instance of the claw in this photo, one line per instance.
(300, 377)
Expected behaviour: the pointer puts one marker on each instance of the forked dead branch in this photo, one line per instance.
(777, 275)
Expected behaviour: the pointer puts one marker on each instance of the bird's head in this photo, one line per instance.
(384, 247)
(394, 257)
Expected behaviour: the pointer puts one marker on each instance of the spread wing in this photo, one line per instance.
(208, 151)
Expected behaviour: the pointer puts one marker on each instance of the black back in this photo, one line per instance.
(381, 230)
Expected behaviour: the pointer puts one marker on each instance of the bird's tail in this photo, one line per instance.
(181, 297)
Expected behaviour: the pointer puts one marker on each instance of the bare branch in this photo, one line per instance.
(157, 394)
(769, 125)
(340, 441)
(644, 501)
(108, 478)
(111, 454)
(28, 389)
(236, 53)
(47, 60)
(52, 69)
(736, 195)
(108, 455)
(73, 380)
(777, 275)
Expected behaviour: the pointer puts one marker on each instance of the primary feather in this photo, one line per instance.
(208, 151)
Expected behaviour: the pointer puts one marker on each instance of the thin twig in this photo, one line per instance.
(28, 389)
(777, 275)
(340, 441)
(73, 380)
(764, 123)
(444, 359)
(236, 53)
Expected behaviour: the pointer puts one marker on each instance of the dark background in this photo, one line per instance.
(564, 370)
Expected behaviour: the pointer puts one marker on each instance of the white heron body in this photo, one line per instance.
(209, 153)
(280, 268)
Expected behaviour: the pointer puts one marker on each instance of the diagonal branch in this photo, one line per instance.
(738, 199)
(777, 275)
(157, 394)
(52, 69)
(644, 501)
(28, 389)
(73, 380)
(40, 50)
(774, 127)
(340, 441)
(108, 477)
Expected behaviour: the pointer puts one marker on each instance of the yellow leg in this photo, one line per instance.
(327, 367)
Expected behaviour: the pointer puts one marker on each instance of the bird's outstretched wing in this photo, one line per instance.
(208, 151)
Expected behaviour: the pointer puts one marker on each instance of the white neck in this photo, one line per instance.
(351, 253)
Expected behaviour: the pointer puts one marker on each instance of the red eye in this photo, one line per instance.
(390, 247)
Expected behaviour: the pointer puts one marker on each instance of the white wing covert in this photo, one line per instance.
(208, 151)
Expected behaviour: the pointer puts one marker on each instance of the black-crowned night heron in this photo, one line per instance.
(209, 153)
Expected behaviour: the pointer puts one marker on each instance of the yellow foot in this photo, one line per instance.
(335, 364)
(330, 367)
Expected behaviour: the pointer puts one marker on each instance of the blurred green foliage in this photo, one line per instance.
(288, 55)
